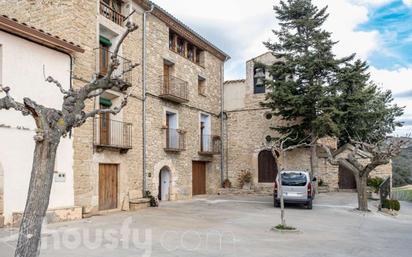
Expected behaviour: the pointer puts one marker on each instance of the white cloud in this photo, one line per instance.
(407, 2)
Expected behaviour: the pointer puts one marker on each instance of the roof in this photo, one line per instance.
(183, 29)
(36, 35)
(234, 81)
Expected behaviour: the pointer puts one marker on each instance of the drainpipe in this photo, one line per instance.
(144, 101)
(222, 123)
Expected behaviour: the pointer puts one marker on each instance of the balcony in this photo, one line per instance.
(111, 134)
(103, 57)
(174, 89)
(210, 145)
(175, 140)
(111, 14)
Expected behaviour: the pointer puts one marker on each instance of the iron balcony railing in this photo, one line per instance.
(103, 58)
(210, 144)
(174, 89)
(111, 14)
(111, 133)
(175, 140)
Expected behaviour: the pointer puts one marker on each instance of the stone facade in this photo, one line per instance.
(80, 21)
(248, 125)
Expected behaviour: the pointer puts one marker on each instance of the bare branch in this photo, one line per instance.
(8, 102)
(114, 64)
(50, 79)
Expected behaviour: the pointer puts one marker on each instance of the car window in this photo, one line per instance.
(294, 179)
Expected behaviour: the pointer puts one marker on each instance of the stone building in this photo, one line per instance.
(248, 128)
(168, 134)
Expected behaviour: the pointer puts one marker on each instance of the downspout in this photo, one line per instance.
(144, 101)
(222, 124)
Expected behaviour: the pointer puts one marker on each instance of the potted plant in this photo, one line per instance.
(227, 183)
(245, 179)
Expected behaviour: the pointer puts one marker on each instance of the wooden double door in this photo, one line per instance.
(108, 186)
(198, 178)
(346, 178)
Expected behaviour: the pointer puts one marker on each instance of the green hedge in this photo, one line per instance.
(391, 204)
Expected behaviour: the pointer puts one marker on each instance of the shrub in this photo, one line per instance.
(321, 182)
(227, 183)
(245, 177)
(375, 183)
(391, 204)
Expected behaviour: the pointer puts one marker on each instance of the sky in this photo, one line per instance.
(378, 31)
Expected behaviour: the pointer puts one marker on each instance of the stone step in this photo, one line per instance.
(138, 204)
(53, 215)
(235, 191)
(1, 221)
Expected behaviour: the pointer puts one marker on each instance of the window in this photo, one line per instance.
(268, 115)
(294, 179)
(185, 48)
(201, 85)
(259, 75)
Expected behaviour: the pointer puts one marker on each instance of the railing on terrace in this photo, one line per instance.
(111, 14)
(175, 140)
(103, 60)
(210, 144)
(174, 89)
(112, 134)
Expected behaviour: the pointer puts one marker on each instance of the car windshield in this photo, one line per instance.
(294, 179)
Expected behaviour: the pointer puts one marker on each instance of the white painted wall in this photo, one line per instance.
(22, 70)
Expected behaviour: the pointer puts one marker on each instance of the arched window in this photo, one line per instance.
(267, 167)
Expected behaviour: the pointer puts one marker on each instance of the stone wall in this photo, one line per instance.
(180, 163)
(1, 189)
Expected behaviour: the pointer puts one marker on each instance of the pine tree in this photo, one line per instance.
(366, 112)
(303, 90)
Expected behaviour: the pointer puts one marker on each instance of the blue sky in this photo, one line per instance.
(379, 31)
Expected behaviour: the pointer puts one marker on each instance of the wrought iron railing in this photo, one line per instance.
(175, 140)
(210, 144)
(111, 133)
(103, 58)
(174, 88)
(111, 14)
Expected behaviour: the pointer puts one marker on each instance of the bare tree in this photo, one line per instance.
(51, 125)
(381, 153)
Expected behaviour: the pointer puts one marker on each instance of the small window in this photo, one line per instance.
(268, 138)
(268, 116)
(181, 46)
(201, 86)
(259, 75)
(172, 42)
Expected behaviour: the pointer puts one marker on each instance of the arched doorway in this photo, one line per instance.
(346, 178)
(164, 184)
(267, 167)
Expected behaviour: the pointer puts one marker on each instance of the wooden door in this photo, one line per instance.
(166, 78)
(346, 178)
(104, 127)
(267, 167)
(104, 59)
(198, 178)
(108, 183)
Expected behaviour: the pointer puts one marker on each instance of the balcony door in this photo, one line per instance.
(172, 135)
(104, 126)
(205, 143)
(166, 80)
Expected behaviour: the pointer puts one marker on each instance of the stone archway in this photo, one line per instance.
(164, 184)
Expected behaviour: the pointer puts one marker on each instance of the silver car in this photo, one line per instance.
(297, 187)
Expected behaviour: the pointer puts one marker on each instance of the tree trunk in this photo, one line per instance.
(361, 184)
(28, 244)
(313, 160)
